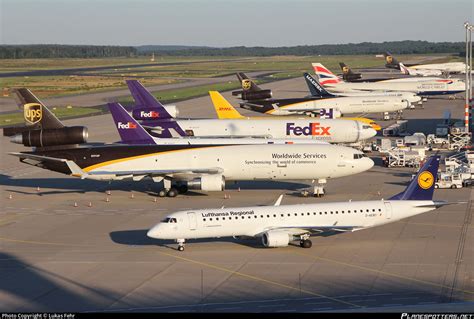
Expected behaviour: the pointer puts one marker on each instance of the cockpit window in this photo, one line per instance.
(366, 127)
(169, 220)
(357, 156)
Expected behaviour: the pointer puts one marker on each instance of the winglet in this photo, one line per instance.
(278, 201)
(76, 171)
(223, 108)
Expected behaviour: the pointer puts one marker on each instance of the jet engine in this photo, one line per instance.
(276, 238)
(146, 113)
(51, 137)
(254, 95)
(208, 183)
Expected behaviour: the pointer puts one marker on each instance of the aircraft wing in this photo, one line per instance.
(315, 230)
(182, 174)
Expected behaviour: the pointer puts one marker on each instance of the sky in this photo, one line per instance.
(227, 23)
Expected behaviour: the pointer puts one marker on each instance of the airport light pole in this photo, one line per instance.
(468, 84)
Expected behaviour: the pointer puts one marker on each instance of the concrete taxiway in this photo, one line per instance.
(66, 245)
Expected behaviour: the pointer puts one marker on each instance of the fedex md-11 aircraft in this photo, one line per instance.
(131, 132)
(419, 86)
(328, 130)
(279, 225)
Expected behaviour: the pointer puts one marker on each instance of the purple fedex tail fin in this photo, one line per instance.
(130, 131)
(147, 107)
(422, 186)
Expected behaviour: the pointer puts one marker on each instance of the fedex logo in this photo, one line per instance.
(126, 126)
(313, 129)
(151, 114)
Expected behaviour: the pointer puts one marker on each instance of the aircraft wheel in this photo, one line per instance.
(181, 248)
(162, 193)
(182, 189)
(453, 187)
(306, 243)
(173, 192)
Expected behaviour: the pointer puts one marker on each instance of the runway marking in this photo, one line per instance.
(41, 242)
(7, 220)
(255, 278)
(440, 225)
(259, 279)
(384, 273)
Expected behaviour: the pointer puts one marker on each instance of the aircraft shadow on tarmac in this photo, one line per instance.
(138, 237)
(75, 185)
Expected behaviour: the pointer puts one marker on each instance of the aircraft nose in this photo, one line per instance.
(153, 232)
(367, 133)
(367, 163)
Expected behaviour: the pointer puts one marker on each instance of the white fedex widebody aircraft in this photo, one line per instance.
(278, 225)
(420, 86)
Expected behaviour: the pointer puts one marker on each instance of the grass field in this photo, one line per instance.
(91, 81)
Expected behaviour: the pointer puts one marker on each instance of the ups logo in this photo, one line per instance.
(345, 70)
(246, 84)
(389, 59)
(33, 112)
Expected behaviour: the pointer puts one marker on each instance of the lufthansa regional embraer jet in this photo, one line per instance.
(278, 225)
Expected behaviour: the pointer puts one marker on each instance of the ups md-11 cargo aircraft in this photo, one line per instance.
(278, 225)
(179, 167)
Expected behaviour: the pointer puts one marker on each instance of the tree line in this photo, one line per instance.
(38, 51)
(96, 51)
(395, 47)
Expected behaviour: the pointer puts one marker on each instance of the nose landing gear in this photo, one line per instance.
(180, 244)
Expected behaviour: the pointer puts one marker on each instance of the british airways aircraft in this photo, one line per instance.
(278, 225)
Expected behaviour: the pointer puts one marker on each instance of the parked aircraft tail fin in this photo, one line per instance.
(131, 132)
(325, 76)
(422, 186)
(147, 107)
(315, 88)
(223, 108)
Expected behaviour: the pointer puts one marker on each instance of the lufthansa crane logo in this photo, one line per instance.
(389, 59)
(33, 112)
(246, 84)
(425, 180)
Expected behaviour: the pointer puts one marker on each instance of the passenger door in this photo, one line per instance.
(388, 210)
(192, 221)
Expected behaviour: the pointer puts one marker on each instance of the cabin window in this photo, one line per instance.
(337, 212)
(210, 219)
(268, 216)
(250, 217)
(342, 212)
(308, 214)
(217, 218)
(361, 210)
(296, 214)
(274, 215)
(255, 216)
(288, 215)
(325, 213)
(302, 214)
(204, 219)
(282, 215)
(331, 213)
(314, 213)
(368, 210)
(320, 213)
(243, 217)
(380, 210)
(373, 210)
(348, 211)
(261, 216)
(223, 218)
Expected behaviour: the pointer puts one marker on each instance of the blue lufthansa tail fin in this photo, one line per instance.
(422, 186)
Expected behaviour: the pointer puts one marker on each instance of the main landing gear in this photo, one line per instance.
(180, 244)
(305, 242)
(172, 190)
